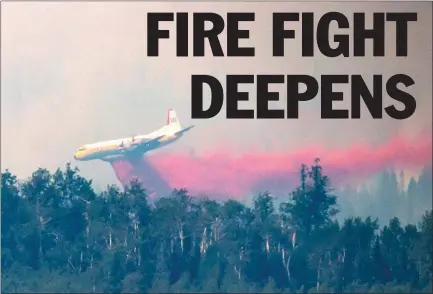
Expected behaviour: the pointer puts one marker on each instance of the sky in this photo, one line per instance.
(77, 73)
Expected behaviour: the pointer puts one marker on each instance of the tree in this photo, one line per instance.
(312, 205)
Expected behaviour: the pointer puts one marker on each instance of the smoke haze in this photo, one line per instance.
(76, 73)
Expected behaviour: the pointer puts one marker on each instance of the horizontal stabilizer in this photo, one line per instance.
(184, 130)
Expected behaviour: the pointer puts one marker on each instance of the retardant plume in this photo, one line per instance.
(142, 170)
(235, 176)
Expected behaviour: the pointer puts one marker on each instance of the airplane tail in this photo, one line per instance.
(173, 121)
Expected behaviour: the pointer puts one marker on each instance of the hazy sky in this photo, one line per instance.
(75, 73)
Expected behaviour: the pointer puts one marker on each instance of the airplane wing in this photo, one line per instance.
(184, 130)
(143, 144)
(135, 150)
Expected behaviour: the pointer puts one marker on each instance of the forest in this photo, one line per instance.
(60, 235)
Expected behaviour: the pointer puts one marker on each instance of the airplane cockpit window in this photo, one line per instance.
(82, 148)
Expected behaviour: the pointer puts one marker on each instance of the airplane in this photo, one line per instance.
(136, 145)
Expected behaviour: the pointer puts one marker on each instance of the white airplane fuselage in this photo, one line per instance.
(136, 145)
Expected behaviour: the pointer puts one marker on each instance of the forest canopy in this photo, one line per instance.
(60, 235)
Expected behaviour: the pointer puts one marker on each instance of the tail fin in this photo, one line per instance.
(172, 119)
